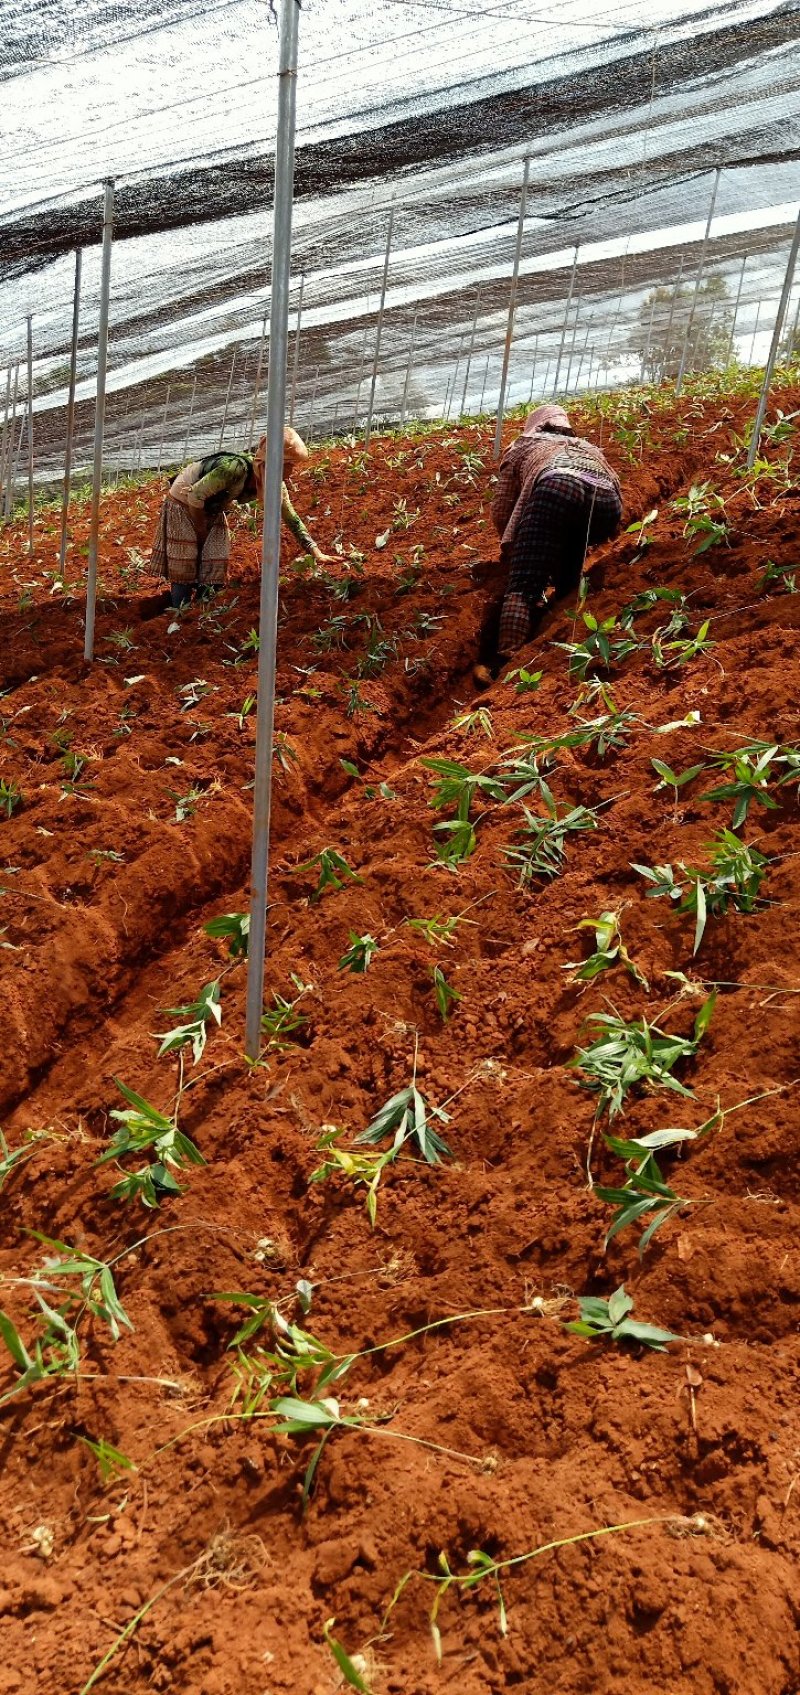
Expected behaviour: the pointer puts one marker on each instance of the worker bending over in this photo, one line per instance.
(556, 495)
(192, 543)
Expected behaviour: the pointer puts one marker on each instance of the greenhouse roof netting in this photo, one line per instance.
(625, 112)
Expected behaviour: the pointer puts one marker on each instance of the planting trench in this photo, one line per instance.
(547, 1436)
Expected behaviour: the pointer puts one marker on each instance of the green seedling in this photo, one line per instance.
(779, 577)
(281, 1022)
(698, 507)
(359, 955)
(192, 693)
(437, 931)
(646, 600)
(521, 774)
(197, 1015)
(475, 723)
(598, 647)
(251, 644)
(111, 1462)
(11, 1158)
(674, 780)
(10, 796)
(748, 781)
(525, 682)
(142, 1126)
(362, 1169)
(379, 650)
(734, 880)
(611, 732)
(645, 1197)
(348, 1669)
(639, 1056)
(457, 785)
(284, 753)
(679, 651)
(333, 870)
(542, 849)
(609, 950)
(186, 805)
(62, 1306)
(355, 701)
(639, 529)
(406, 1117)
(446, 995)
(233, 928)
(608, 1321)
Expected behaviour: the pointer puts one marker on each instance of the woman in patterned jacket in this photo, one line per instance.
(556, 495)
(192, 542)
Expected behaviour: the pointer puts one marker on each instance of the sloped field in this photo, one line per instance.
(485, 1425)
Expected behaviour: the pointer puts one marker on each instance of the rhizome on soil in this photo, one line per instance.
(502, 919)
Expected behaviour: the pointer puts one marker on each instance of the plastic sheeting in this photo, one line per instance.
(624, 110)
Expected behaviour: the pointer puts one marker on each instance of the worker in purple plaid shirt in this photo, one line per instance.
(556, 495)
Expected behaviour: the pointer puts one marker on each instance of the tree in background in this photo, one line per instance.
(665, 315)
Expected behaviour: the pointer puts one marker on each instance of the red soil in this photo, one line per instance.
(547, 1435)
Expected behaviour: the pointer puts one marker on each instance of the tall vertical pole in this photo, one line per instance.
(699, 279)
(271, 542)
(793, 341)
(254, 413)
(99, 415)
(189, 420)
(357, 406)
(408, 370)
(566, 319)
(163, 430)
(310, 436)
(227, 400)
(755, 333)
(29, 322)
(512, 306)
(533, 369)
(9, 483)
(572, 345)
(485, 381)
(455, 369)
(379, 329)
(646, 354)
(774, 345)
(296, 358)
(470, 351)
(73, 377)
(735, 312)
(4, 444)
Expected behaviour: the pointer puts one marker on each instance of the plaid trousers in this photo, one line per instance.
(179, 554)
(565, 514)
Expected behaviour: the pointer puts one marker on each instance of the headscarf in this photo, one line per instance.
(547, 417)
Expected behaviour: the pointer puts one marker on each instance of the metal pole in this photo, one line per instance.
(189, 420)
(793, 341)
(73, 376)
(357, 407)
(4, 445)
(455, 369)
(163, 430)
(512, 306)
(582, 357)
(646, 354)
(533, 371)
(254, 412)
(755, 333)
(29, 322)
(485, 380)
(572, 344)
(699, 279)
(296, 361)
(379, 329)
(735, 312)
(566, 320)
(227, 399)
(408, 370)
(470, 351)
(99, 415)
(774, 345)
(271, 542)
(17, 454)
(10, 473)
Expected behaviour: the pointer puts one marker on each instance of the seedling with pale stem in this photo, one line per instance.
(359, 955)
(446, 995)
(10, 796)
(542, 849)
(475, 723)
(197, 1015)
(525, 682)
(667, 654)
(232, 927)
(674, 780)
(646, 600)
(780, 577)
(734, 880)
(142, 1126)
(610, 950)
(62, 1305)
(112, 1464)
(408, 1118)
(749, 776)
(333, 870)
(598, 647)
(625, 1057)
(363, 1169)
(281, 1022)
(186, 805)
(645, 1197)
(697, 506)
(639, 529)
(609, 1321)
